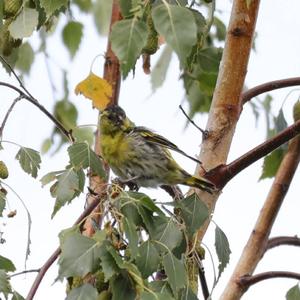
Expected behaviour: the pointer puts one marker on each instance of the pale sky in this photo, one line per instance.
(276, 56)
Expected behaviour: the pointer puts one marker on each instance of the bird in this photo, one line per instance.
(140, 156)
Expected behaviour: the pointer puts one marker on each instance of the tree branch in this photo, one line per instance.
(248, 280)
(223, 173)
(113, 77)
(7, 115)
(226, 104)
(35, 102)
(283, 240)
(257, 242)
(269, 86)
(56, 253)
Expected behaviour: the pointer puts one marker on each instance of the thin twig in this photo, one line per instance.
(202, 277)
(283, 240)
(7, 115)
(24, 272)
(248, 280)
(16, 76)
(269, 86)
(204, 132)
(32, 100)
(57, 252)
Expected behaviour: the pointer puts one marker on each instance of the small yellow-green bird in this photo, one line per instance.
(140, 156)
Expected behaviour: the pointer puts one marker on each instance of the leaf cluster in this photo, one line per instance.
(138, 245)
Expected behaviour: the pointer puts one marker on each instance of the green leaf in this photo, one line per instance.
(84, 292)
(72, 35)
(108, 263)
(159, 71)
(175, 271)
(165, 231)
(132, 236)
(126, 7)
(187, 294)
(52, 6)
(25, 59)
(24, 24)
(222, 249)
(6, 264)
(66, 113)
(17, 296)
(82, 156)
(272, 163)
(102, 13)
(162, 287)
(46, 145)
(177, 25)
(209, 59)
(65, 188)
(128, 37)
(155, 296)
(194, 213)
(280, 122)
(293, 293)
(79, 256)
(29, 160)
(84, 134)
(147, 259)
(122, 287)
(5, 287)
(220, 29)
(84, 5)
(2, 203)
(50, 177)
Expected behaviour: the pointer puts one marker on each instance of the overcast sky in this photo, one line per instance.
(277, 56)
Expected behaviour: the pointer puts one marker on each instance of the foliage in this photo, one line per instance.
(143, 250)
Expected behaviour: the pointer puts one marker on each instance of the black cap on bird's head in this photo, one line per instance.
(113, 118)
(115, 114)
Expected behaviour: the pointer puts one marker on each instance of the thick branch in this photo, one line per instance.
(283, 240)
(248, 280)
(223, 173)
(112, 76)
(257, 243)
(269, 86)
(226, 104)
(56, 253)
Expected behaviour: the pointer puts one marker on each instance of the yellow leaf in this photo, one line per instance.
(95, 88)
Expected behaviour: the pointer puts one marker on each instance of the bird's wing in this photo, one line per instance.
(157, 139)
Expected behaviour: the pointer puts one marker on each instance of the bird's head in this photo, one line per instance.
(113, 119)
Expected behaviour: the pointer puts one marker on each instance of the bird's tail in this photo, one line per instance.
(200, 183)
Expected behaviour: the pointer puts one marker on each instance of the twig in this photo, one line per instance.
(7, 115)
(32, 100)
(204, 132)
(223, 173)
(248, 280)
(269, 86)
(24, 272)
(202, 277)
(283, 240)
(57, 252)
(16, 76)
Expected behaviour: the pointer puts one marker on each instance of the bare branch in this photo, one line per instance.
(283, 240)
(16, 76)
(24, 272)
(248, 280)
(223, 173)
(56, 253)
(269, 86)
(33, 101)
(257, 242)
(7, 115)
